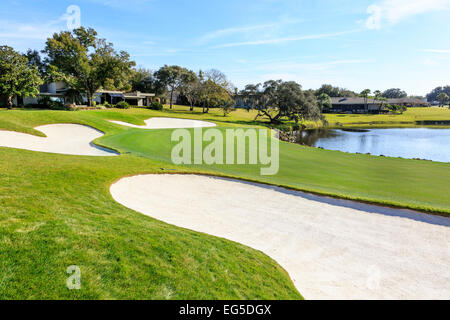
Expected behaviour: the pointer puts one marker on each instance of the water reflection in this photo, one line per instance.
(422, 143)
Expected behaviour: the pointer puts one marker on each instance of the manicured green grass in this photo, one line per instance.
(392, 181)
(56, 211)
(241, 116)
(407, 183)
(407, 119)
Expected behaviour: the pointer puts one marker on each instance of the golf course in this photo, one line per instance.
(57, 207)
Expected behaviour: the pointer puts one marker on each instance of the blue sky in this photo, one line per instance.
(356, 44)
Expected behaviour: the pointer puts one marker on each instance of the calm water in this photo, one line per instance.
(423, 143)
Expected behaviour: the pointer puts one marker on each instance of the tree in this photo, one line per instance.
(17, 77)
(227, 105)
(394, 93)
(334, 91)
(143, 80)
(287, 99)
(89, 63)
(215, 89)
(324, 101)
(365, 94)
(378, 96)
(48, 73)
(251, 95)
(171, 77)
(432, 96)
(397, 108)
(442, 98)
(190, 86)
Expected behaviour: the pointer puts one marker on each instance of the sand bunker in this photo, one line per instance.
(168, 123)
(73, 139)
(332, 249)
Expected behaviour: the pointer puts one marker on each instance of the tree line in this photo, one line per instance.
(87, 63)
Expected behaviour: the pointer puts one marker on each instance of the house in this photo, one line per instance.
(409, 102)
(139, 99)
(354, 105)
(58, 91)
(108, 96)
(360, 105)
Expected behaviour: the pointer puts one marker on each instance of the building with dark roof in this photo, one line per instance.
(360, 105)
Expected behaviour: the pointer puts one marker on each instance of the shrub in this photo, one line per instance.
(396, 109)
(107, 105)
(156, 106)
(284, 127)
(123, 105)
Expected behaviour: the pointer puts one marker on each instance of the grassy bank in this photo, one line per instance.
(56, 211)
(410, 118)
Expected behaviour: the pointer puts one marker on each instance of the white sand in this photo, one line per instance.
(332, 249)
(168, 123)
(73, 139)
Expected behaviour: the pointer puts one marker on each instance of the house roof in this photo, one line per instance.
(344, 100)
(137, 95)
(358, 100)
(407, 100)
(108, 91)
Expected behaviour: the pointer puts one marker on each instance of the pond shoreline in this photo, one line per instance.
(420, 143)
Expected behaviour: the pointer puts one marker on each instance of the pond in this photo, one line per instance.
(412, 143)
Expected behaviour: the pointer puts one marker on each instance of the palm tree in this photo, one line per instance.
(365, 94)
(442, 98)
(378, 96)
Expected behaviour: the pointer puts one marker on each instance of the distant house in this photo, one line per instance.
(108, 96)
(409, 102)
(57, 91)
(359, 105)
(139, 99)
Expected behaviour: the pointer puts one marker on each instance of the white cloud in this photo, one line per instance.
(230, 31)
(437, 51)
(247, 31)
(390, 12)
(38, 31)
(431, 62)
(33, 30)
(282, 39)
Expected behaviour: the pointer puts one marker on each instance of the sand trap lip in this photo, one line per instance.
(168, 123)
(71, 139)
(332, 249)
